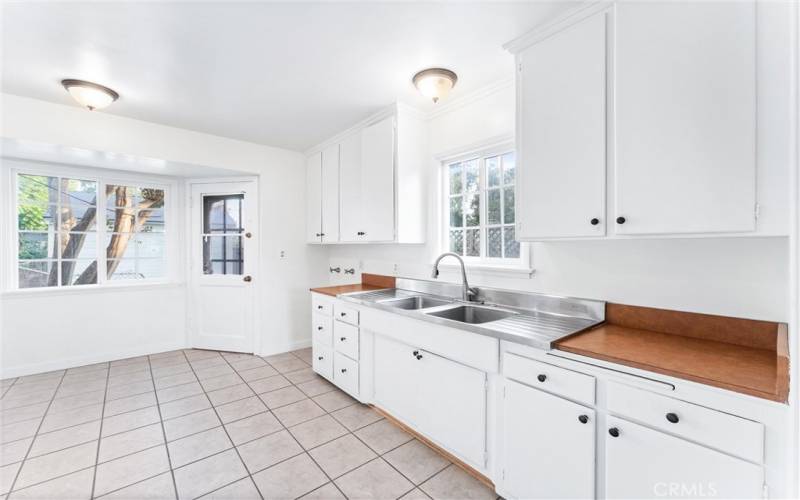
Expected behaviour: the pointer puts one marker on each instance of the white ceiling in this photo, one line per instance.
(282, 74)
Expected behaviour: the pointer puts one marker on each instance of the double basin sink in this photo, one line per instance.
(474, 315)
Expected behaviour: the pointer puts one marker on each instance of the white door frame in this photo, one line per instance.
(253, 265)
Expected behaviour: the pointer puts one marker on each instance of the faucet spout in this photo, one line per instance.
(468, 293)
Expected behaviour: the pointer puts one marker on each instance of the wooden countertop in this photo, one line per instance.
(745, 356)
(369, 282)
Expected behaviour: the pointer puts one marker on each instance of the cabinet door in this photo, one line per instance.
(397, 379)
(330, 194)
(644, 463)
(377, 181)
(549, 450)
(685, 117)
(452, 403)
(350, 188)
(314, 198)
(562, 131)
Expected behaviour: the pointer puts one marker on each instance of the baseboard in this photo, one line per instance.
(292, 346)
(61, 364)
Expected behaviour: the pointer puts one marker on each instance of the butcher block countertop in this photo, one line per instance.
(741, 355)
(369, 282)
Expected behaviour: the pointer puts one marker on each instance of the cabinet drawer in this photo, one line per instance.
(346, 314)
(322, 329)
(321, 305)
(345, 373)
(322, 360)
(550, 378)
(723, 431)
(345, 339)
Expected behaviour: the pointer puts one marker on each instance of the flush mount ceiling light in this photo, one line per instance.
(435, 83)
(90, 95)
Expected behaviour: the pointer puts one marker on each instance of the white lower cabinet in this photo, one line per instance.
(549, 445)
(442, 399)
(645, 463)
(322, 361)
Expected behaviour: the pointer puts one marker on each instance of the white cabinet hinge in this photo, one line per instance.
(757, 210)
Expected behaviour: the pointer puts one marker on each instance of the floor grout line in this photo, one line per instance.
(100, 435)
(35, 435)
(282, 427)
(244, 464)
(163, 432)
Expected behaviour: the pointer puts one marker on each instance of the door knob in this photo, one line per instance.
(248, 279)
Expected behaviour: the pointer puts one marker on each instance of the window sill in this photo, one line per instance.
(28, 293)
(491, 270)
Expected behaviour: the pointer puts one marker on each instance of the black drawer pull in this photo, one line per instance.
(342, 338)
(583, 419)
(344, 370)
(672, 418)
(320, 358)
(541, 377)
(614, 432)
(319, 328)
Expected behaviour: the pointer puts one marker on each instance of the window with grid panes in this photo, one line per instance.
(83, 231)
(480, 208)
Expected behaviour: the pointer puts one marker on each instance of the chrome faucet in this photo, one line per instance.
(468, 293)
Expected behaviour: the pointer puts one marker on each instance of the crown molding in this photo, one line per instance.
(475, 95)
(572, 16)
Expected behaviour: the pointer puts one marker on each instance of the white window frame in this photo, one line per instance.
(171, 230)
(519, 265)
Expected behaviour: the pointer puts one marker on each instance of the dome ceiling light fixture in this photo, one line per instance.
(90, 95)
(435, 83)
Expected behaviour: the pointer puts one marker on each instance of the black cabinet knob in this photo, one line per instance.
(344, 370)
(319, 234)
(614, 432)
(583, 419)
(595, 221)
(415, 353)
(342, 338)
(319, 328)
(673, 418)
(361, 233)
(343, 314)
(319, 307)
(419, 356)
(541, 377)
(620, 220)
(319, 358)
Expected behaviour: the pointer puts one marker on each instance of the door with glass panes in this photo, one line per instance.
(224, 247)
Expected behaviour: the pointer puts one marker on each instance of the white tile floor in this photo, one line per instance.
(191, 424)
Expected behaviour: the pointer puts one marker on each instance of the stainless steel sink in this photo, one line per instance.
(470, 314)
(412, 303)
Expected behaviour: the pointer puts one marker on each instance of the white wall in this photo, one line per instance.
(743, 277)
(29, 346)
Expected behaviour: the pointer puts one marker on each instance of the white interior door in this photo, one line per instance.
(224, 248)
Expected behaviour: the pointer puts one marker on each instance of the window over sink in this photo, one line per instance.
(479, 208)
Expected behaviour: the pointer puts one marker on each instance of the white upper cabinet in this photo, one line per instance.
(380, 181)
(377, 181)
(350, 188)
(562, 126)
(654, 118)
(314, 198)
(330, 194)
(685, 117)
